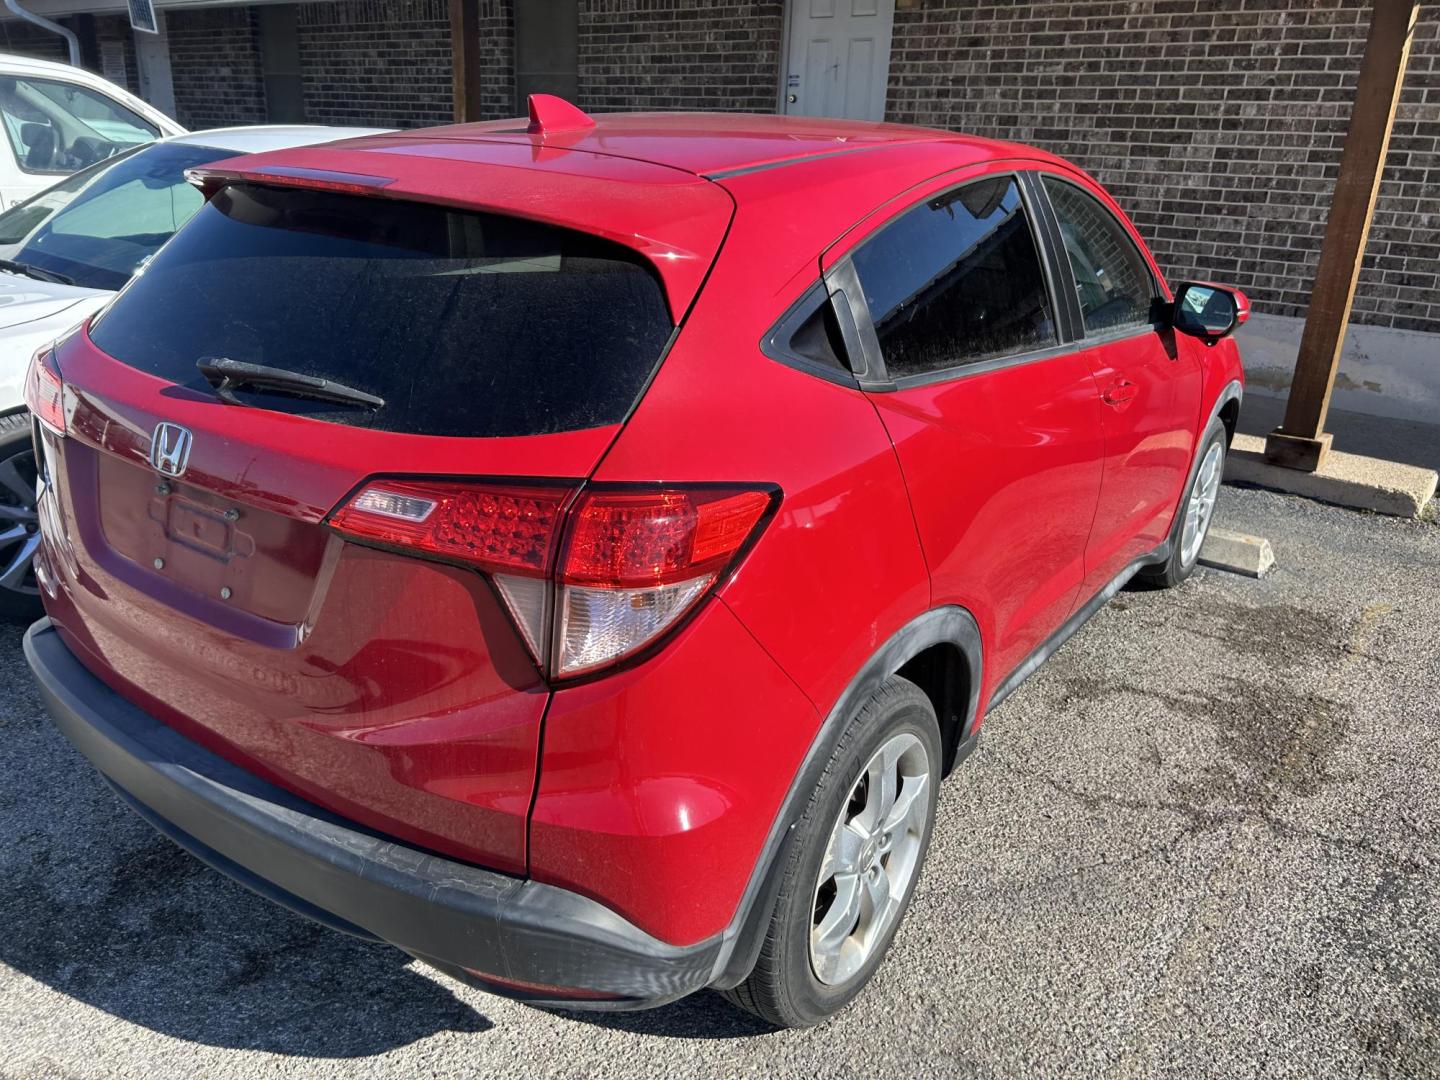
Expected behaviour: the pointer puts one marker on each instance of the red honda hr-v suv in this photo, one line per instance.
(574, 551)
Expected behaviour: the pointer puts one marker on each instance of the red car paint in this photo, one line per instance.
(396, 691)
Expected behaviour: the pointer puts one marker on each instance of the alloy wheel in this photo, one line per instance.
(19, 523)
(872, 856)
(1200, 507)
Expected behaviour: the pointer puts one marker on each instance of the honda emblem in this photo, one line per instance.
(170, 449)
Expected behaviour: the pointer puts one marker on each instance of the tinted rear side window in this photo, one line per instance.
(1112, 278)
(466, 324)
(956, 280)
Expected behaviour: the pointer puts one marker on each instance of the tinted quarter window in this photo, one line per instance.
(465, 323)
(1111, 276)
(818, 339)
(956, 280)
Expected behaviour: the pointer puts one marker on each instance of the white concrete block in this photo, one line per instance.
(1384, 487)
(1239, 553)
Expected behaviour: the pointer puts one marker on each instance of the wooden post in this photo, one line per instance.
(465, 58)
(1301, 441)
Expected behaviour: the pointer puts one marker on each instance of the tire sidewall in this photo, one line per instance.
(906, 710)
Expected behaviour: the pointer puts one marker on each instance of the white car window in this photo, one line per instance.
(57, 127)
(98, 227)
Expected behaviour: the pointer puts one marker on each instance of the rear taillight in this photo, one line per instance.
(590, 579)
(635, 562)
(510, 531)
(44, 390)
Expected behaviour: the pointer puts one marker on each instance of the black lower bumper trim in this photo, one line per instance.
(524, 934)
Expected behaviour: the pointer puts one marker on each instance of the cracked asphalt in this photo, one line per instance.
(1201, 841)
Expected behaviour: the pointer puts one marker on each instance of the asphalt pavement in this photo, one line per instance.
(1201, 841)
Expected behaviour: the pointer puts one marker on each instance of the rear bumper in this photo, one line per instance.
(514, 936)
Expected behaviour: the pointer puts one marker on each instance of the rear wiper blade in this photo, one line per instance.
(35, 272)
(227, 375)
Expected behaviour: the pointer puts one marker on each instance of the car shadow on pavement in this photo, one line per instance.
(705, 1015)
(102, 909)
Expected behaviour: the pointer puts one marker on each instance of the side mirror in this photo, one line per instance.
(1208, 311)
(31, 134)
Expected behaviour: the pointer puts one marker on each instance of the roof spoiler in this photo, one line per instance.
(210, 181)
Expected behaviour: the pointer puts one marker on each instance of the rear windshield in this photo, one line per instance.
(465, 323)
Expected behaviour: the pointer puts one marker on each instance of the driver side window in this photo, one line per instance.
(1112, 278)
(58, 127)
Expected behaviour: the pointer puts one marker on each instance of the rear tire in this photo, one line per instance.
(853, 863)
(19, 525)
(1197, 510)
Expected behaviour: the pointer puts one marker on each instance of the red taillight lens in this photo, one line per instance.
(634, 562)
(500, 528)
(509, 530)
(44, 390)
(654, 538)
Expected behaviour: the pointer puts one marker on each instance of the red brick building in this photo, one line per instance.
(1218, 126)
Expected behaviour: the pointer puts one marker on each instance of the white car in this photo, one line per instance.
(63, 254)
(59, 119)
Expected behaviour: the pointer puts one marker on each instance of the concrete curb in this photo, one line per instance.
(1362, 483)
(1238, 553)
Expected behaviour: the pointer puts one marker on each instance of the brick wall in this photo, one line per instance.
(678, 54)
(497, 51)
(1217, 126)
(215, 65)
(111, 28)
(384, 63)
(27, 39)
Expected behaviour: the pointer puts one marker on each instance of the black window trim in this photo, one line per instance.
(776, 342)
(843, 277)
(1069, 319)
(1157, 295)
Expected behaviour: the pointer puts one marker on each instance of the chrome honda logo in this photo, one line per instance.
(170, 449)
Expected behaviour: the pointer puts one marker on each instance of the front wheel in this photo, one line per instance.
(1192, 524)
(854, 862)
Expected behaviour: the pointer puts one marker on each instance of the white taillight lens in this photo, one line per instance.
(528, 599)
(44, 390)
(599, 626)
(392, 504)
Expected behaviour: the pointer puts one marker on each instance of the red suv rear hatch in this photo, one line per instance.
(391, 689)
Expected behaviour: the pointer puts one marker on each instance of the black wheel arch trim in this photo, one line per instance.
(950, 625)
(1234, 391)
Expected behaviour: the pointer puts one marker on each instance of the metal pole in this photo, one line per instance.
(55, 28)
(1301, 441)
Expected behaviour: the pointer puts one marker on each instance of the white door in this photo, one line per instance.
(839, 58)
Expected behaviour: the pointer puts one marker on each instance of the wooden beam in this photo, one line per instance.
(465, 58)
(1300, 442)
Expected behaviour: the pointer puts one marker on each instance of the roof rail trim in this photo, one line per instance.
(741, 170)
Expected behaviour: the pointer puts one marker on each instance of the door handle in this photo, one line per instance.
(1119, 393)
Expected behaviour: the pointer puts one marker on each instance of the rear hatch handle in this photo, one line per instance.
(227, 375)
